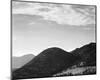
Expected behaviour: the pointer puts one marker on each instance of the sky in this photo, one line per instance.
(37, 26)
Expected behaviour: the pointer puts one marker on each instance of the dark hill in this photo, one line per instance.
(87, 54)
(86, 65)
(47, 63)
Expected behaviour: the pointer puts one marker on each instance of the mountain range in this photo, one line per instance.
(18, 62)
(87, 63)
(53, 61)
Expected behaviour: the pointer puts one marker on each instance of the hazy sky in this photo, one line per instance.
(38, 26)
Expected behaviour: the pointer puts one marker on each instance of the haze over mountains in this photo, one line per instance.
(57, 62)
(18, 62)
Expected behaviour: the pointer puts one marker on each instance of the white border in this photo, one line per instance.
(5, 39)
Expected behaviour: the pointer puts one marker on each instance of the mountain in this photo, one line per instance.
(18, 62)
(87, 54)
(47, 63)
(86, 65)
(57, 62)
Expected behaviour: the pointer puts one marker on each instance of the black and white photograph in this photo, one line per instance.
(52, 40)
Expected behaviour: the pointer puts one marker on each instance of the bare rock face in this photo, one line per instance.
(47, 63)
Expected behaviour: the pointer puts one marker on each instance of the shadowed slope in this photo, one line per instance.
(87, 63)
(87, 54)
(47, 63)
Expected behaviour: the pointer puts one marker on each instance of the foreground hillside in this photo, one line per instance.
(57, 62)
(87, 63)
(47, 63)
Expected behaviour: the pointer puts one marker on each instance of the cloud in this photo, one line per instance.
(31, 23)
(59, 13)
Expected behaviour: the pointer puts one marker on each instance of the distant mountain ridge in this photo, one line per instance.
(54, 60)
(18, 62)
